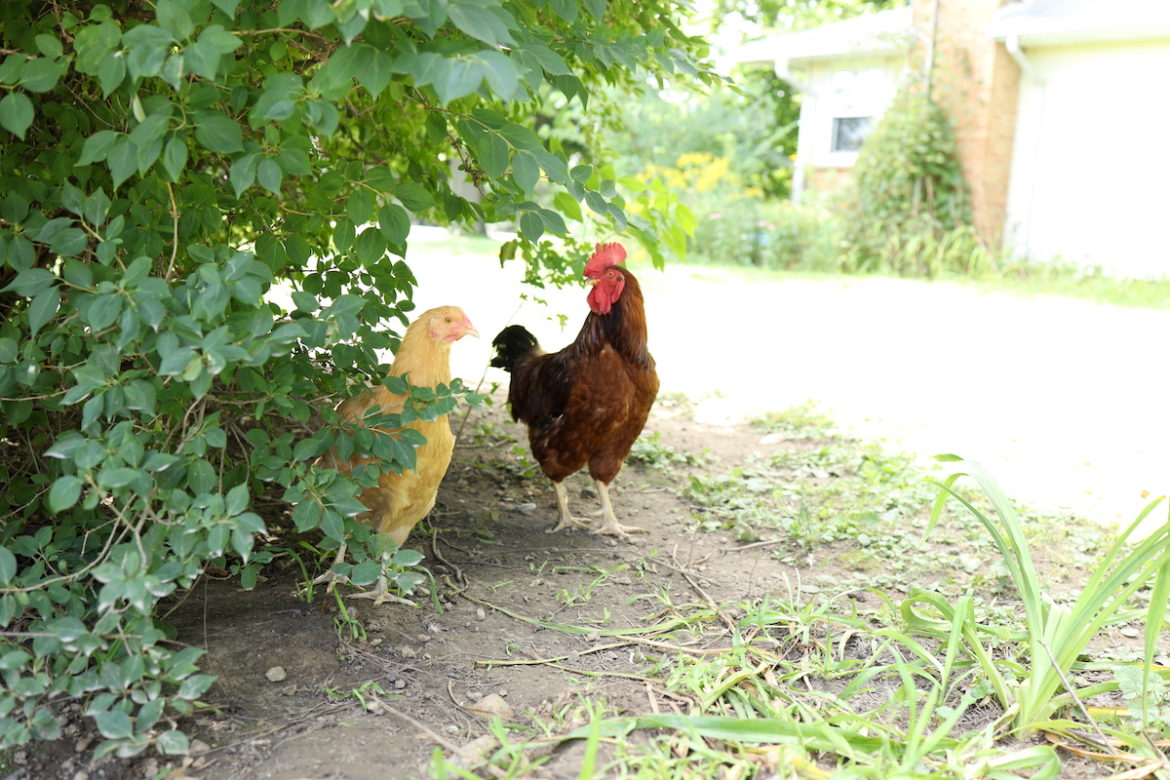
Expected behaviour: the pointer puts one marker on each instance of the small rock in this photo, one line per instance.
(452, 728)
(391, 677)
(199, 746)
(493, 704)
(479, 613)
(276, 674)
(588, 492)
(399, 684)
(81, 774)
(1131, 632)
(408, 652)
(82, 744)
(480, 748)
(502, 692)
(474, 695)
(375, 641)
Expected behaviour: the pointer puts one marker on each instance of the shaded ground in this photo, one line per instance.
(519, 622)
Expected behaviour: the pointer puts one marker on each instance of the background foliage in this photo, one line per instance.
(166, 167)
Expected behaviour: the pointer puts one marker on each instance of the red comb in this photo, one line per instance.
(603, 257)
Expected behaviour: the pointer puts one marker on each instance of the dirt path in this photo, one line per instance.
(1063, 400)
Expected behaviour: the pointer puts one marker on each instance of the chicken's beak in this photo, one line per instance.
(469, 329)
(591, 282)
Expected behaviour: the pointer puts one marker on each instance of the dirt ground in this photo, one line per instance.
(346, 707)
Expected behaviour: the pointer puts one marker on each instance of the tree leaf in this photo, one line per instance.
(64, 494)
(525, 171)
(217, 133)
(174, 155)
(394, 223)
(485, 24)
(373, 69)
(16, 113)
(42, 309)
(531, 226)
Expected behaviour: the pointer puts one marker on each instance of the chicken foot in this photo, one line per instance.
(567, 520)
(379, 594)
(610, 525)
(331, 576)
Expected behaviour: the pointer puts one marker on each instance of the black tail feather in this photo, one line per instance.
(511, 344)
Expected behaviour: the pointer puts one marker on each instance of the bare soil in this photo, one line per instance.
(426, 675)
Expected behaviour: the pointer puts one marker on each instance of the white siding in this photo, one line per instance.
(841, 88)
(1091, 161)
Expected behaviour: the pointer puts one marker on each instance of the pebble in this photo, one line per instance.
(479, 613)
(276, 674)
(391, 677)
(82, 744)
(1131, 632)
(399, 684)
(502, 692)
(526, 508)
(81, 774)
(494, 704)
(474, 695)
(406, 651)
(452, 728)
(375, 641)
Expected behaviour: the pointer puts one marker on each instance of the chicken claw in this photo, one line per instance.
(380, 595)
(611, 526)
(567, 520)
(331, 576)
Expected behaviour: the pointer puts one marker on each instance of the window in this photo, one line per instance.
(849, 132)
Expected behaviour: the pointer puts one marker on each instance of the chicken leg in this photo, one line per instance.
(379, 594)
(611, 526)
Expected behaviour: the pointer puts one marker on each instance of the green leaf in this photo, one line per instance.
(371, 245)
(7, 566)
(269, 174)
(360, 206)
(40, 74)
(481, 23)
(49, 45)
(122, 160)
(93, 42)
(176, 362)
(174, 743)
(548, 59)
(174, 17)
(373, 69)
(174, 155)
(531, 225)
(114, 724)
(202, 59)
(16, 113)
(525, 171)
(217, 133)
(64, 494)
(455, 78)
(227, 6)
(42, 309)
(112, 72)
(97, 147)
(30, 282)
(243, 172)
(501, 73)
(414, 196)
(394, 223)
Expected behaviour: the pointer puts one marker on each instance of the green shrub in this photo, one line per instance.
(907, 210)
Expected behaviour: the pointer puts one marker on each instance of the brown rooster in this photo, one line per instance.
(400, 500)
(587, 403)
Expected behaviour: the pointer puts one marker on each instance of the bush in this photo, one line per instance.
(907, 211)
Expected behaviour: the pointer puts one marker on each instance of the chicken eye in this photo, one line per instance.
(448, 320)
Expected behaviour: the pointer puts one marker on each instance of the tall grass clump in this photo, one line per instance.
(1039, 684)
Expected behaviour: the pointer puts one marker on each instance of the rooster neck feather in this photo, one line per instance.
(624, 328)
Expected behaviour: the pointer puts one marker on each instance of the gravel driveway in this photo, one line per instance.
(1064, 401)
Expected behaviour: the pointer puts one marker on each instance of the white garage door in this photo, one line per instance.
(1091, 161)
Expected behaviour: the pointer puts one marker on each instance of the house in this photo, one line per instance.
(1058, 107)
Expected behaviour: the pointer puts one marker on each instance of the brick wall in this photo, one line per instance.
(977, 82)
